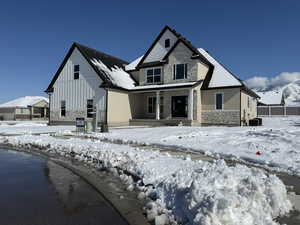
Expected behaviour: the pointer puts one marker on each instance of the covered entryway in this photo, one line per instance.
(179, 106)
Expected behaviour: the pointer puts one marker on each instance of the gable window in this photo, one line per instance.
(76, 72)
(152, 105)
(248, 102)
(63, 108)
(180, 71)
(154, 75)
(167, 43)
(219, 101)
(89, 108)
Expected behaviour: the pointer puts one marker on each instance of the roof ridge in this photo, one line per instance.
(100, 52)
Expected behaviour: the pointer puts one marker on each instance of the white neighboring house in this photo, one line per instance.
(25, 108)
(271, 98)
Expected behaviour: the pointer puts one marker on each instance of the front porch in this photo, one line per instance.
(161, 122)
(164, 107)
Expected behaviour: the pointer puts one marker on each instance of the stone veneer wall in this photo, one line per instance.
(214, 117)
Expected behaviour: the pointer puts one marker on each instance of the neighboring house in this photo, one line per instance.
(173, 83)
(271, 98)
(25, 108)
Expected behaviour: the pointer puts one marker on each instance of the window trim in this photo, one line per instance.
(185, 69)
(222, 93)
(76, 72)
(61, 108)
(153, 68)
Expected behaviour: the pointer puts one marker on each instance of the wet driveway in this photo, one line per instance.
(36, 191)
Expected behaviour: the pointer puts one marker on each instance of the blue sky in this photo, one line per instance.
(250, 37)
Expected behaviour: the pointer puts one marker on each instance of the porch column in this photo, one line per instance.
(191, 104)
(157, 105)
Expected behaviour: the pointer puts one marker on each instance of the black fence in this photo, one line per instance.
(278, 110)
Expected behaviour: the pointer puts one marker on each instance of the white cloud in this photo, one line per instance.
(265, 83)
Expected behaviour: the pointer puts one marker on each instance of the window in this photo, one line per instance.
(180, 71)
(76, 72)
(248, 102)
(219, 101)
(63, 108)
(89, 108)
(154, 75)
(152, 105)
(167, 43)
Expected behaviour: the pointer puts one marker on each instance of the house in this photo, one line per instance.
(172, 83)
(271, 98)
(25, 108)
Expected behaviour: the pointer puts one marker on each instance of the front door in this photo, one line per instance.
(179, 106)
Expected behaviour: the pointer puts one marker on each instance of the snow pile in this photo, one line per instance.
(221, 76)
(116, 74)
(24, 102)
(192, 192)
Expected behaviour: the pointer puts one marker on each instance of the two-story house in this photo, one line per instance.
(172, 83)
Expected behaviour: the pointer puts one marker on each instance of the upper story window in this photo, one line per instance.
(63, 108)
(89, 108)
(153, 75)
(76, 72)
(219, 101)
(167, 43)
(180, 71)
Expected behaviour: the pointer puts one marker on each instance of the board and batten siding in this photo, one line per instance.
(76, 92)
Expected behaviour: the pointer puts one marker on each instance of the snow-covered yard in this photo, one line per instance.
(193, 192)
(275, 145)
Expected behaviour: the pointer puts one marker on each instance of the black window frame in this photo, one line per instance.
(63, 108)
(152, 75)
(89, 108)
(76, 71)
(219, 106)
(167, 43)
(176, 75)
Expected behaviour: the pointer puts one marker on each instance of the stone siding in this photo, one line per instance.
(221, 117)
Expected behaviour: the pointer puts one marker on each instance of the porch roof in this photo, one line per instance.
(165, 86)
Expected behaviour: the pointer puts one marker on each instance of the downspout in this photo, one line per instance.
(240, 107)
(49, 95)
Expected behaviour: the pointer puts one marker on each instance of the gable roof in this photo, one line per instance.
(24, 102)
(155, 41)
(92, 55)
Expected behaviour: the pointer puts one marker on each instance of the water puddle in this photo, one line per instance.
(34, 190)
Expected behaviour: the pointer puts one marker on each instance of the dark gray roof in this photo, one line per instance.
(90, 54)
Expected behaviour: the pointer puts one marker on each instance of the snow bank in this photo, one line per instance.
(192, 192)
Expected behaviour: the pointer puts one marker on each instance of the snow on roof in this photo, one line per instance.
(116, 75)
(159, 86)
(221, 77)
(270, 97)
(24, 102)
(133, 64)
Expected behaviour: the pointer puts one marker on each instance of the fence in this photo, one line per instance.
(278, 110)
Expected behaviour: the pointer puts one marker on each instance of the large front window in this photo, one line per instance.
(154, 75)
(180, 71)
